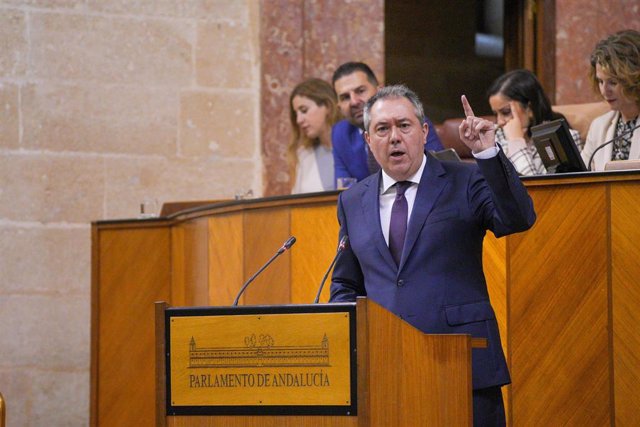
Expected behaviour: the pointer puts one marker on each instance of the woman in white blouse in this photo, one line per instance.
(313, 109)
(615, 74)
(519, 102)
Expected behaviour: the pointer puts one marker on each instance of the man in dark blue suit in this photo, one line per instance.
(355, 83)
(416, 230)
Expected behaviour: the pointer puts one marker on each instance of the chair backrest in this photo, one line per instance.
(580, 116)
(450, 138)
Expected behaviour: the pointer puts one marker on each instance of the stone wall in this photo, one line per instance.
(104, 103)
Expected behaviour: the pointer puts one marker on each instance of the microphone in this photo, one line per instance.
(286, 245)
(342, 245)
(609, 142)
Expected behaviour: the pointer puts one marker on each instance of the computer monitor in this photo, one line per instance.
(447, 155)
(556, 147)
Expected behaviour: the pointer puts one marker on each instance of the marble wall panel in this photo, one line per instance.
(28, 255)
(9, 116)
(336, 31)
(13, 40)
(52, 394)
(50, 188)
(308, 38)
(48, 4)
(281, 29)
(172, 181)
(225, 55)
(98, 118)
(109, 49)
(43, 330)
(217, 124)
(579, 27)
(213, 10)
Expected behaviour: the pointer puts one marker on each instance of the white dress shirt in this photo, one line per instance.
(388, 191)
(388, 195)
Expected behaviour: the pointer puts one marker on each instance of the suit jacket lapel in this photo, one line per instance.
(607, 151)
(432, 182)
(371, 213)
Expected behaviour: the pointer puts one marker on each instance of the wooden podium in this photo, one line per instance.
(394, 374)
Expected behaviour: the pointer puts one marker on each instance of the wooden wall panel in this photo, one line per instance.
(494, 262)
(226, 271)
(558, 321)
(413, 391)
(134, 272)
(265, 231)
(625, 253)
(565, 293)
(316, 228)
(190, 263)
(178, 265)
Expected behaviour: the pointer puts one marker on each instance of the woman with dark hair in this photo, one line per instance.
(615, 74)
(519, 102)
(313, 109)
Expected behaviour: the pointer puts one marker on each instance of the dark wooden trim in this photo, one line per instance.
(514, 12)
(95, 326)
(530, 40)
(546, 47)
(161, 372)
(3, 408)
(364, 366)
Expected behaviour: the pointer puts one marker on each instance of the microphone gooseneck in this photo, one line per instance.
(285, 246)
(342, 245)
(612, 140)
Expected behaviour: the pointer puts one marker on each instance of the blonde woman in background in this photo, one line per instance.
(313, 109)
(615, 74)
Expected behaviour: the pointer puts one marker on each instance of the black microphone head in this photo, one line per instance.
(343, 243)
(290, 241)
(286, 245)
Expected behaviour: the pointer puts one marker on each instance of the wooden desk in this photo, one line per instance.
(566, 292)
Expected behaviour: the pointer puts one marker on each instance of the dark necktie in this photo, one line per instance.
(398, 224)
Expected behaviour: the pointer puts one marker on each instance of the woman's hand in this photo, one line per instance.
(514, 128)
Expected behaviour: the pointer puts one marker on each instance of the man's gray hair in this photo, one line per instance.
(394, 91)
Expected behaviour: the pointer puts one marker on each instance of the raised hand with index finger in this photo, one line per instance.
(477, 133)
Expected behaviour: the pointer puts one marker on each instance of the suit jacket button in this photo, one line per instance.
(400, 283)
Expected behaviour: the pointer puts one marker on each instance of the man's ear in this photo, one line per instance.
(425, 128)
(367, 138)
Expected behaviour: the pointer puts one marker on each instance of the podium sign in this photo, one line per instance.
(261, 360)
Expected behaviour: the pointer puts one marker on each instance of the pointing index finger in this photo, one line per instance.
(468, 111)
